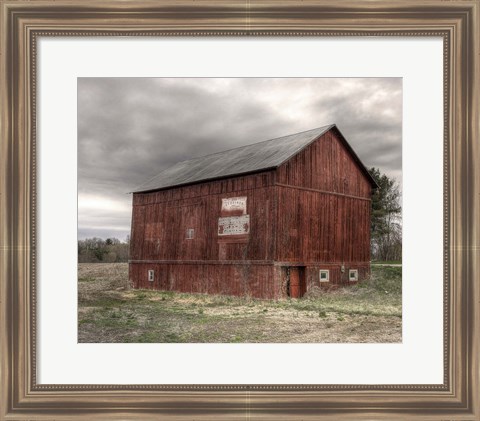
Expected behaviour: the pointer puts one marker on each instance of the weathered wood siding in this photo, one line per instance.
(323, 216)
(318, 227)
(325, 165)
(255, 280)
(161, 219)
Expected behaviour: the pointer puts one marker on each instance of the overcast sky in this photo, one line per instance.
(130, 129)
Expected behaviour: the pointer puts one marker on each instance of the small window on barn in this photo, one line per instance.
(353, 274)
(190, 233)
(324, 275)
(151, 275)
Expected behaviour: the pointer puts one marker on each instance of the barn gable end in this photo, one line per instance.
(327, 164)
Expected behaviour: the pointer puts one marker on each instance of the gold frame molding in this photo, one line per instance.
(23, 22)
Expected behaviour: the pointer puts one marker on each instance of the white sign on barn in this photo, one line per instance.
(234, 225)
(235, 204)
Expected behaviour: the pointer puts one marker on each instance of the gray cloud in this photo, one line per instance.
(130, 129)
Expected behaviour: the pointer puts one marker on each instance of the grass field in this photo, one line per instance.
(108, 311)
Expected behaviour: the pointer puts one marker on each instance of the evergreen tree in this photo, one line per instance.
(386, 227)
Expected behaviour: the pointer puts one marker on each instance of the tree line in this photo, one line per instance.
(385, 239)
(97, 250)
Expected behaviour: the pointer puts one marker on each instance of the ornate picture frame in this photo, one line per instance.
(24, 22)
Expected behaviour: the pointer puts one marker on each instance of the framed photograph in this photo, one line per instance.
(191, 224)
(228, 241)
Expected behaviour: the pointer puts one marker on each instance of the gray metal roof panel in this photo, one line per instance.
(245, 159)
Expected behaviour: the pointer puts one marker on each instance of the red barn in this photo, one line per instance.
(267, 220)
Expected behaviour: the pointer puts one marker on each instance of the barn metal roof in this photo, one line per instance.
(261, 156)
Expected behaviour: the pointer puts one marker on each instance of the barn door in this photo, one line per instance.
(296, 282)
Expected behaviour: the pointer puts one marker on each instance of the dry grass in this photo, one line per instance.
(109, 311)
